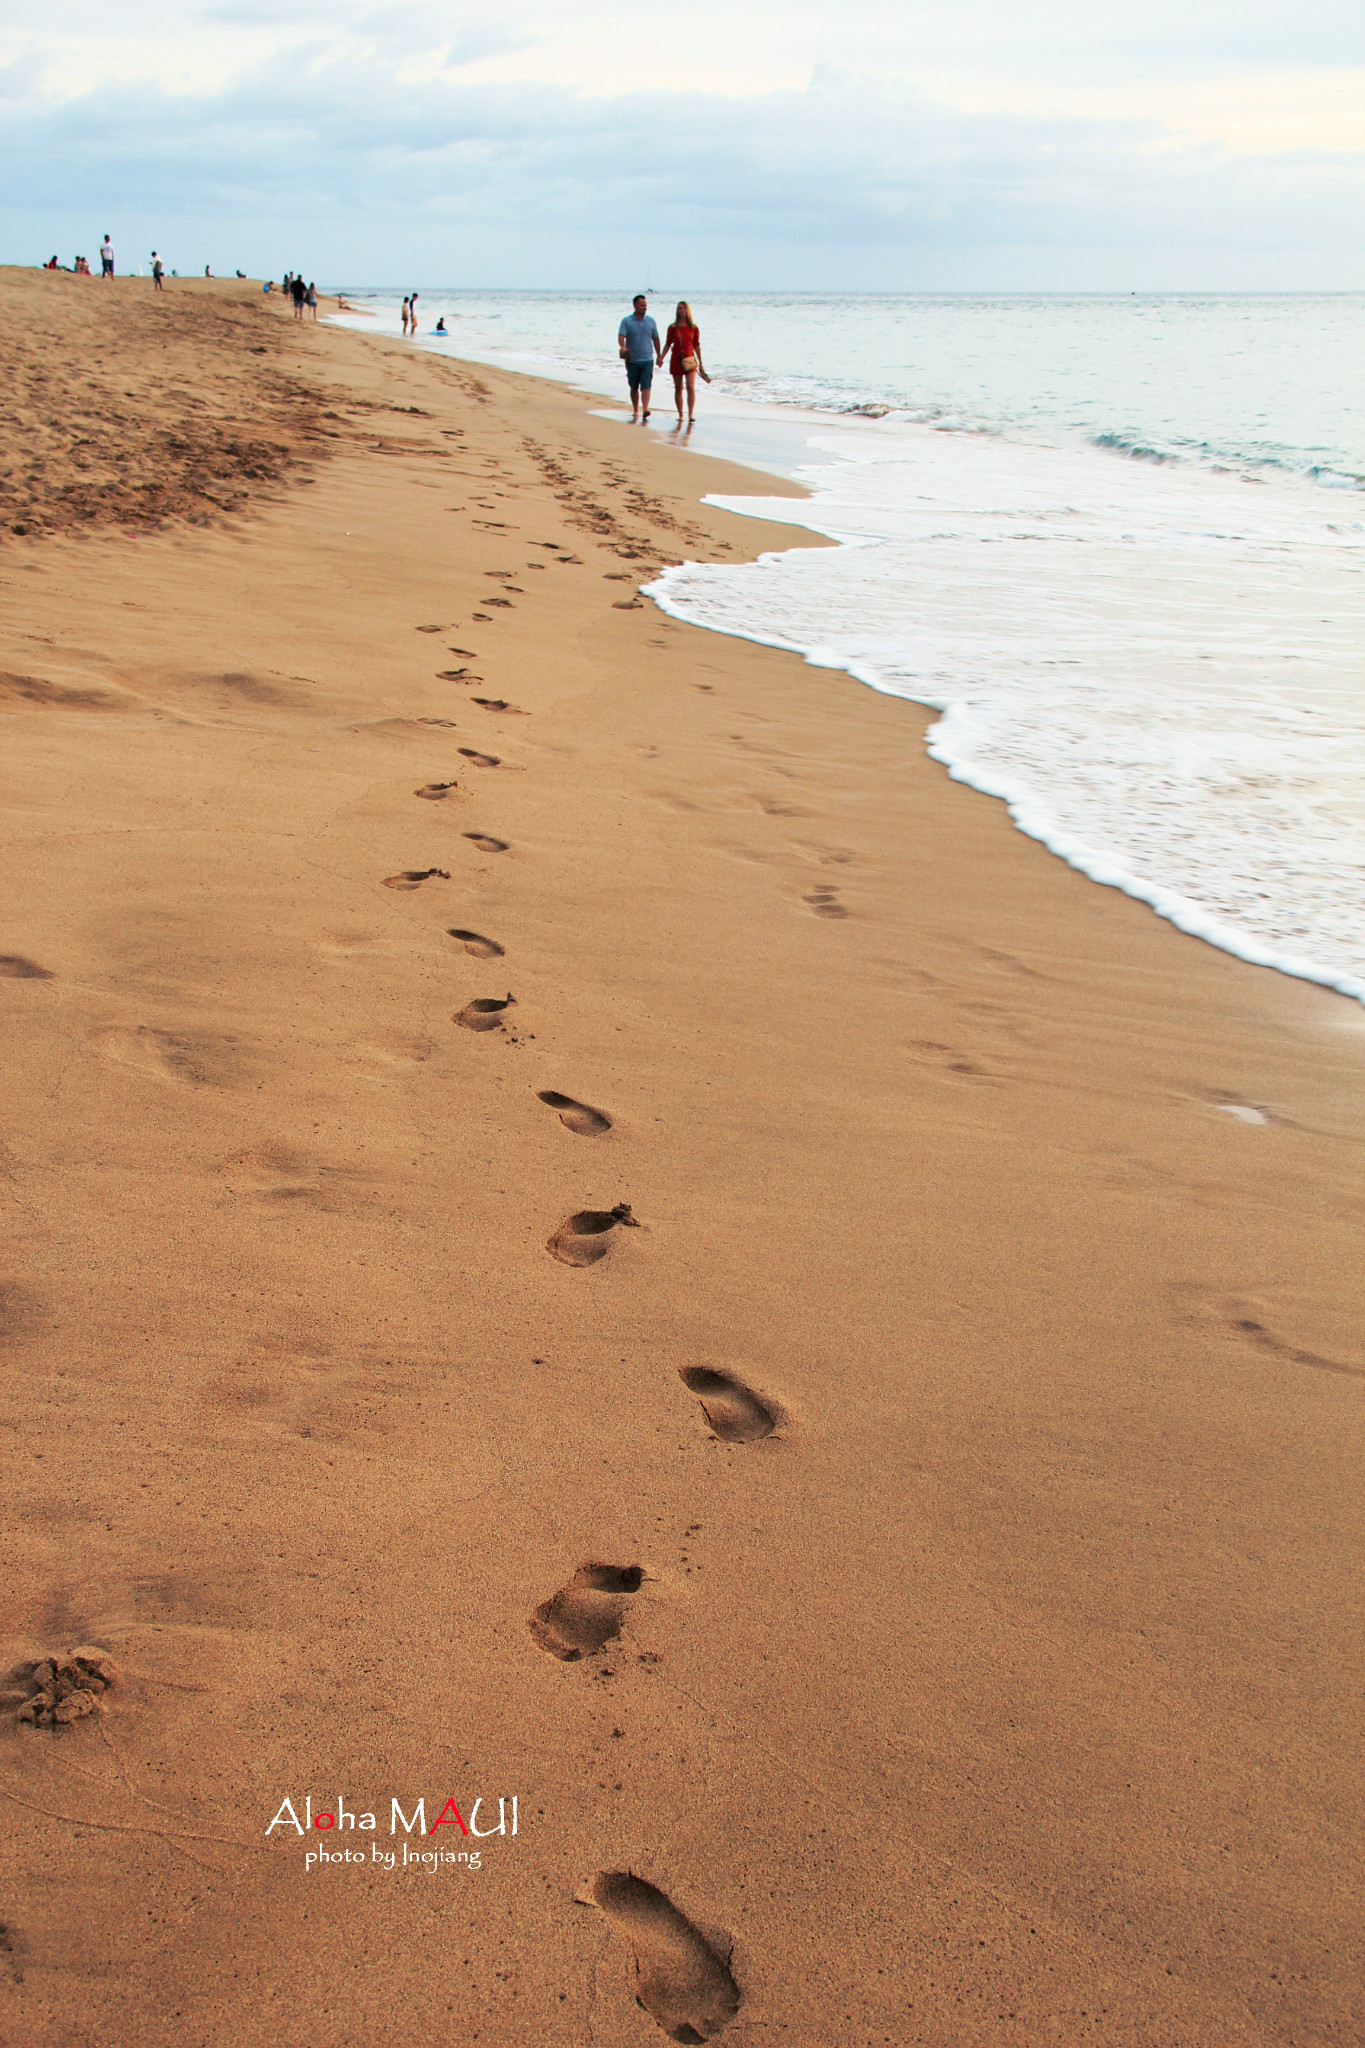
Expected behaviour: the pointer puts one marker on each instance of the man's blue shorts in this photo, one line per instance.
(640, 375)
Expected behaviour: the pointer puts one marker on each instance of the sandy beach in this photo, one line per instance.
(586, 1229)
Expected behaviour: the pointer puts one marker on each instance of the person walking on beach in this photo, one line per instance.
(637, 338)
(158, 272)
(106, 258)
(310, 299)
(296, 292)
(412, 313)
(682, 346)
(405, 316)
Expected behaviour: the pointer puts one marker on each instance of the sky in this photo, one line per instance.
(768, 145)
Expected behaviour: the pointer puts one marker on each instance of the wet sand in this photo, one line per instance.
(586, 1228)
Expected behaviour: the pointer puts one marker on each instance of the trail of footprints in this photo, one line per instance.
(681, 1978)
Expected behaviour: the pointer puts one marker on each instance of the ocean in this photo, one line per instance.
(1117, 544)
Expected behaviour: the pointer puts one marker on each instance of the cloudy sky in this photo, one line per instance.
(774, 144)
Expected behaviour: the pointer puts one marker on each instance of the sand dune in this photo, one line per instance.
(622, 1245)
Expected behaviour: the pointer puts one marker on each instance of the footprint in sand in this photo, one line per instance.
(576, 1116)
(486, 1013)
(14, 967)
(456, 675)
(413, 878)
(680, 1980)
(54, 1691)
(825, 903)
(736, 1415)
(582, 1239)
(476, 943)
(467, 652)
(436, 792)
(498, 704)
(191, 1059)
(429, 629)
(486, 843)
(584, 1616)
(479, 760)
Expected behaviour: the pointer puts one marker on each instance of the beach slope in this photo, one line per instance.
(588, 1233)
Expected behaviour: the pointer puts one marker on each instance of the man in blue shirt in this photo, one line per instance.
(638, 340)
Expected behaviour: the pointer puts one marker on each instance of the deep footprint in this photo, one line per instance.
(736, 1415)
(498, 704)
(486, 1014)
(14, 967)
(413, 878)
(825, 903)
(584, 1616)
(477, 944)
(581, 1239)
(486, 843)
(680, 1980)
(436, 792)
(479, 760)
(576, 1116)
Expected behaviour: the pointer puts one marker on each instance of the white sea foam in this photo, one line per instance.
(1158, 669)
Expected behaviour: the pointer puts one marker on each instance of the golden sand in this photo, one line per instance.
(585, 1227)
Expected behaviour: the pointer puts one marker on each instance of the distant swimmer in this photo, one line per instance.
(106, 258)
(638, 341)
(682, 345)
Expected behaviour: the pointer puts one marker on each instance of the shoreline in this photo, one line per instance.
(996, 1595)
(785, 441)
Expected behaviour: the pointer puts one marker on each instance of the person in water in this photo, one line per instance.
(405, 316)
(440, 327)
(637, 338)
(682, 346)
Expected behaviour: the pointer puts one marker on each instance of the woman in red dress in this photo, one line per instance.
(682, 346)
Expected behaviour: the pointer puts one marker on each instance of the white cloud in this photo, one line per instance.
(892, 146)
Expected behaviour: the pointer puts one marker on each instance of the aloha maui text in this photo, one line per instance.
(340, 1816)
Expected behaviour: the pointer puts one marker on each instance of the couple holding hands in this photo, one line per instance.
(638, 341)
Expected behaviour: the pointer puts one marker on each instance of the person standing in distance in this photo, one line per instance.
(638, 340)
(158, 272)
(106, 258)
